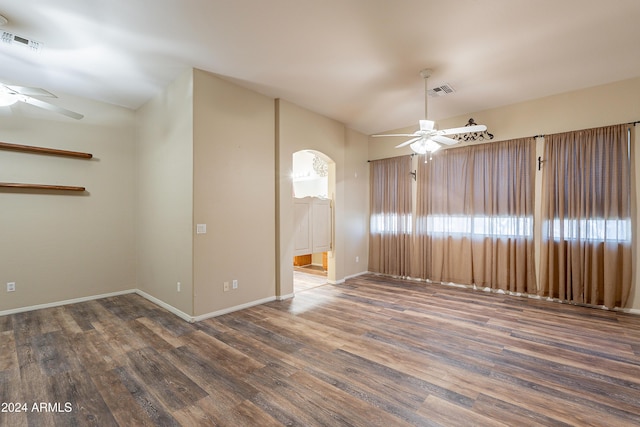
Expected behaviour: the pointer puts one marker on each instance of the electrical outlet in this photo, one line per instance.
(235, 284)
(357, 259)
(226, 286)
(11, 286)
(179, 286)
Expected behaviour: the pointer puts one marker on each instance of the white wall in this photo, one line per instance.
(62, 246)
(165, 195)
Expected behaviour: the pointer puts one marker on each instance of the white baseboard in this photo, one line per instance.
(628, 310)
(232, 309)
(168, 307)
(192, 319)
(285, 297)
(156, 301)
(351, 276)
(65, 302)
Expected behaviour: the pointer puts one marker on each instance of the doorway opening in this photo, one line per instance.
(312, 185)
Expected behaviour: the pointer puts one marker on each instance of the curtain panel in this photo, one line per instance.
(474, 216)
(586, 217)
(391, 221)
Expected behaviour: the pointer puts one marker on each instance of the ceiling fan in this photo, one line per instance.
(427, 138)
(10, 94)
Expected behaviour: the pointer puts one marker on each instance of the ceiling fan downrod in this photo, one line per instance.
(426, 73)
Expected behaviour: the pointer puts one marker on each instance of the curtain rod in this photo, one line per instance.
(536, 136)
(630, 123)
(410, 155)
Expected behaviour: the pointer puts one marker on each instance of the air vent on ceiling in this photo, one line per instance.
(13, 39)
(443, 90)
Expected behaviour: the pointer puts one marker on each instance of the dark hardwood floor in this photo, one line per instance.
(373, 351)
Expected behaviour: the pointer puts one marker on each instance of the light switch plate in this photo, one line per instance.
(201, 228)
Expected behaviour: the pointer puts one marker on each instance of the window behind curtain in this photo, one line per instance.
(390, 226)
(586, 229)
(474, 220)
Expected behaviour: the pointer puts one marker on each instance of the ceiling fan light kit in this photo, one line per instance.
(424, 146)
(428, 139)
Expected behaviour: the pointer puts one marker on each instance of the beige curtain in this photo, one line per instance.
(474, 214)
(390, 225)
(586, 241)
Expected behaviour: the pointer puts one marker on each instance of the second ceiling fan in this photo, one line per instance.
(427, 139)
(10, 94)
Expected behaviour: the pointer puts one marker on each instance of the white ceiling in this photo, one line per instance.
(357, 61)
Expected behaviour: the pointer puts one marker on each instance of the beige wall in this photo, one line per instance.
(356, 210)
(204, 151)
(598, 106)
(211, 158)
(234, 194)
(594, 107)
(165, 195)
(301, 129)
(635, 188)
(231, 188)
(58, 247)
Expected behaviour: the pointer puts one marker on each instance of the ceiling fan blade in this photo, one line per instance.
(411, 141)
(464, 129)
(444, 140)
(395, 134)
(50, 107)
(427, 124)
(30, 91)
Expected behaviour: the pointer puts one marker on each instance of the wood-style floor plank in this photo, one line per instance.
(371, 351)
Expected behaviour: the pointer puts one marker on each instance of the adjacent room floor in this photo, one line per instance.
(304, 279)
(372, 351)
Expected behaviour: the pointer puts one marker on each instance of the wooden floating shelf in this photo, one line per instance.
(43, 150)
(40, 187)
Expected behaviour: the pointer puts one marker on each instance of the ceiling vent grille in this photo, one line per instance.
(443, 90)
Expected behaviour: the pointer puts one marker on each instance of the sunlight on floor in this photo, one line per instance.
(303, 281)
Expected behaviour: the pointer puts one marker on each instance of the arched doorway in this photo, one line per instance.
(313, 181)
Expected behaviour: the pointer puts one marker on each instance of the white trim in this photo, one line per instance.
(65, 302)
(511, 293)
(285, 297)
(635, 311)
(355, 275)
(232, 309)
(168, 307)
(156, 301)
